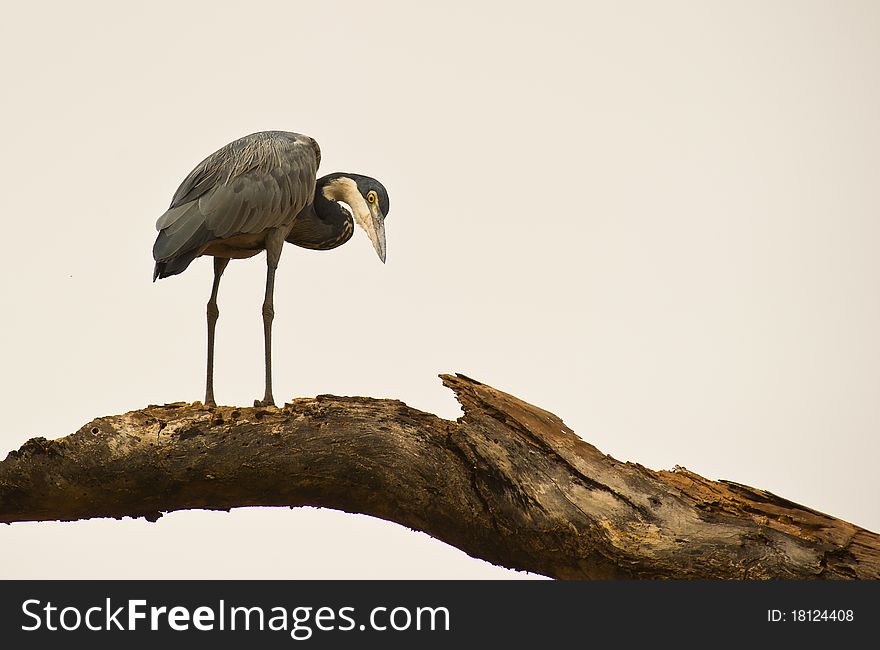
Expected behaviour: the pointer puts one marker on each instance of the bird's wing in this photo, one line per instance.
(249, 185)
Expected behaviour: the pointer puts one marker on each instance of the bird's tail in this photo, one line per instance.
(174, 266)
(182, 231)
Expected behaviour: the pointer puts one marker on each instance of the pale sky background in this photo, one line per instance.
(659, 221)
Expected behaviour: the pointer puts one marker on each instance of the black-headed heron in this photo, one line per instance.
(252, 195)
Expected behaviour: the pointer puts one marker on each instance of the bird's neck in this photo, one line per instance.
(343, 187)
(326, 200)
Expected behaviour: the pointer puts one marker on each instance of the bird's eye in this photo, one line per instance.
(371, 197)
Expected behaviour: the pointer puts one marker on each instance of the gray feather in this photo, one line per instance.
(251, 185)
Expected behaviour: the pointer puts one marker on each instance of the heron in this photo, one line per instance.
(252, 195)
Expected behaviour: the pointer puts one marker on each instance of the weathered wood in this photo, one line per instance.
(508, 482)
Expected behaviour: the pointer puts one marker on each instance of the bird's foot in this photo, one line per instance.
(266, 401)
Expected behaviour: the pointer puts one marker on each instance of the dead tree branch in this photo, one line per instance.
(508, 482)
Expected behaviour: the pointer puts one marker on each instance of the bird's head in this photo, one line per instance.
(367, 199)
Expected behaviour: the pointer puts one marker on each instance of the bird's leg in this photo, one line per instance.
(274, 242)
(213, 314)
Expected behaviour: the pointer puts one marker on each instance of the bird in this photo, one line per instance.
(253, 195)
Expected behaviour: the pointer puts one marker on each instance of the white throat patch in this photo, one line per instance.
(345, 190)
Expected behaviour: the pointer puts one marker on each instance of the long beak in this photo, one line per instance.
(377, 236)
(371, 219)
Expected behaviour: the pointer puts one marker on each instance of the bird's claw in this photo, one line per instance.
(263, 402)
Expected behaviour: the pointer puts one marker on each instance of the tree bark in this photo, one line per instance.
(507, 482)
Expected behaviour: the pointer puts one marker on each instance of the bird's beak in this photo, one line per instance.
(369, 217)
(378, 234)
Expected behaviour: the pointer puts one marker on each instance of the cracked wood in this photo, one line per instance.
(508, 482)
